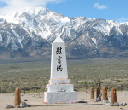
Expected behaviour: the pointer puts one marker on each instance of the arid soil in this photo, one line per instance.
(36, 102)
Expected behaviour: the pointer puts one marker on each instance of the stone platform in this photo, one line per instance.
(60, 97)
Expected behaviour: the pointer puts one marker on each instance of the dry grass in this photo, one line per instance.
(112, 72)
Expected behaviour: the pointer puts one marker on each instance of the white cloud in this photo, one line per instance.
(96, 5)
(16, 5)
(121, 20)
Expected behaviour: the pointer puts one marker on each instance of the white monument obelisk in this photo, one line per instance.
(58, 63)
(59, 89)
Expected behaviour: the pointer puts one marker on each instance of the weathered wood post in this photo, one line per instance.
(24, 90)
(17, 99)
(99, 85)
(113, 95)
(105, 97)
(97, 92)
(92, 93)
(121, 87)
(86, 88)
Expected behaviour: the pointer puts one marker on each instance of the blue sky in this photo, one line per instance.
(108, 9)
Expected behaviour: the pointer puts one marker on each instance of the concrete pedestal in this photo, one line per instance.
(60, 97)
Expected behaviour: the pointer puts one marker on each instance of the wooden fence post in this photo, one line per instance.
(17, 99)
(97, 92)
(105, 97)
(113, 95)
(92, 92)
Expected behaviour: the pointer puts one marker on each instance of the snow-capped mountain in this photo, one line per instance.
(31, 31)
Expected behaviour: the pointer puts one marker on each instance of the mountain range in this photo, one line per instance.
(29, 33)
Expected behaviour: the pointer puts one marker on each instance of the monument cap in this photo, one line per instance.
(58, 39)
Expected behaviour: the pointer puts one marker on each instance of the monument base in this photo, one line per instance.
(60, 97)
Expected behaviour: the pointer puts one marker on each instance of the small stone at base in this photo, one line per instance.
(9, 106)
(116, 104)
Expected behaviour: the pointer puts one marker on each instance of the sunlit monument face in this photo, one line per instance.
(58, 63)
